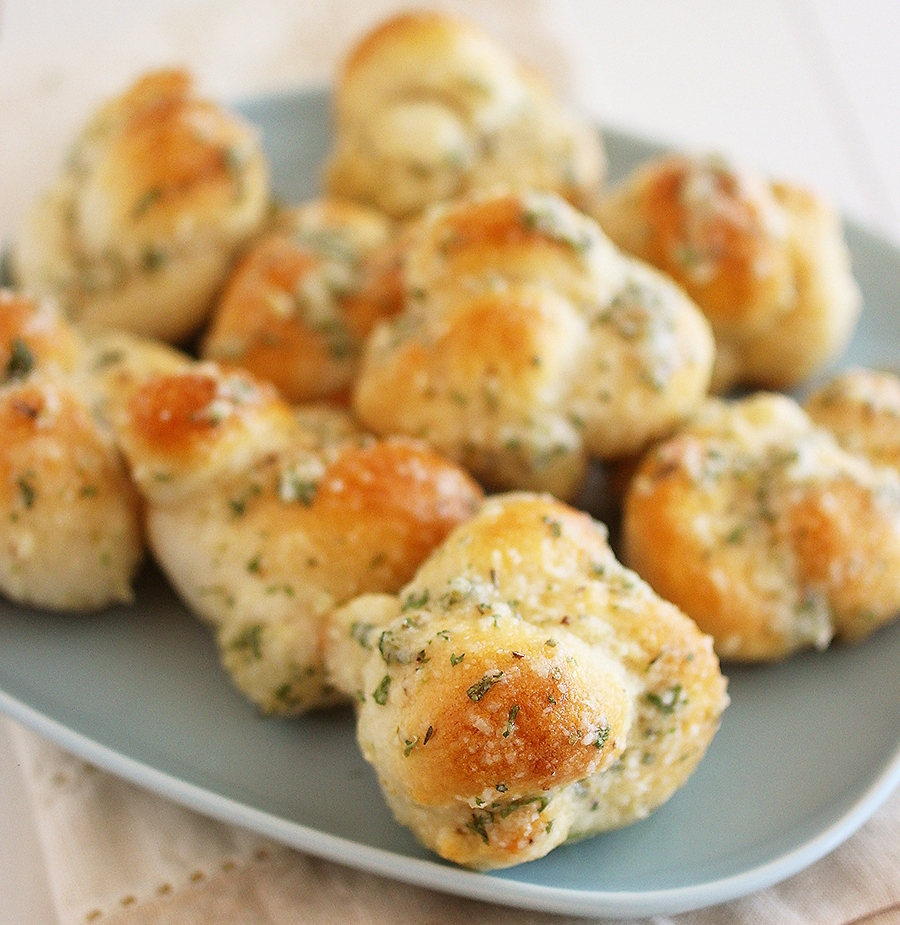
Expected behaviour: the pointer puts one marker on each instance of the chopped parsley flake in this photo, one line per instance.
(153, 258)
(415, 601)
(249, 642)
(292, 487)
(147, 201)
(602, 735)
(553, 224)
(27, 492)
(668, 701)
(108, 358)
(21, 360)
(507, 809)
(362, 633)
(479, 824)
(391, 650)
(380, 694)
(555, 527)
(477, 691)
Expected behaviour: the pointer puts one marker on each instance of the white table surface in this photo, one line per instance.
(805, 89)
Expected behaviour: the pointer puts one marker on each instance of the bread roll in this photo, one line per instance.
(137, 233)
(70, 533)
(759, 526)
(265, 518)
(429, 107)
(528, 343)
(525, 689)
(861, 407)
(295, 310)
(766, 262)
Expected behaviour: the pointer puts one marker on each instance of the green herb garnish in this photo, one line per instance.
(415, 601)
(380, 694)
(668, 701)
(477, 691)
(21, 360)
(27, 492)
(249, 641)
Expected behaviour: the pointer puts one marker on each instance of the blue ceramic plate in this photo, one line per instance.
(807, 751)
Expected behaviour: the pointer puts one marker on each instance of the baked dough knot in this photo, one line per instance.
(763, 529)
(300, 301)
(527, 343)
(429, 107)
(70, 533)
(266, 517)
(160, 189)
(861, 407)
(765, 261)
(525, 689)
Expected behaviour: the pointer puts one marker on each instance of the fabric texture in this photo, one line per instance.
(120, 855)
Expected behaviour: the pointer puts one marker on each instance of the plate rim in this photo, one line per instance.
(436, 874)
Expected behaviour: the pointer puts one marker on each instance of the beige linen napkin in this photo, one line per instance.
(119, 855)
